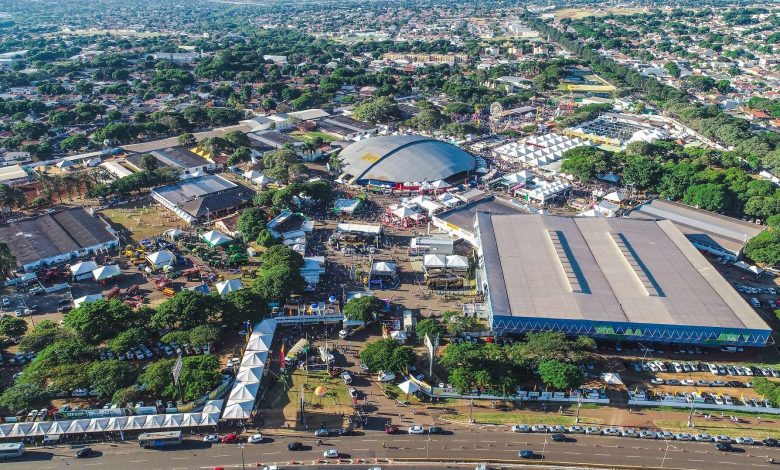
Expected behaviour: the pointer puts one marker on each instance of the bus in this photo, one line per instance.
(11, 450)
(292, 355)
(160, 439)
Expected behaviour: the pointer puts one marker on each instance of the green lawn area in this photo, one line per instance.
(141, 222)
(521, 418)
(713, 428)
(311, 134)
(285, 394)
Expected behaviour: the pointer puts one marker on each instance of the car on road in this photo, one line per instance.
(576, 429)
(666, 435)
(539, 428)
(645, 434)
(526, 454)
(521, 428)
(435, 430)
(322, 432)
(591, 430)
(703, 437)
(769, 442)
(721, 439)
(611, 431)
(84, 452)
(6, 301)
(656, 381)
(390, 429)
(683, 436)
(724, 446)
(557, 428)
(295, 446)
(331, 454)
(416, 429)
(353, 393)
(628, 432)
(211, 438)
(231, 438)
(558, 437)
(255, 439)
(744, 440)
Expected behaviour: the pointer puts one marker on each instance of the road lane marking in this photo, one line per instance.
(138, 461)
(572, 453)
(633, 457)
(368, 449)
(368, 440)
(602, 455)
(271, 453)
(179, 458)
(223, 455)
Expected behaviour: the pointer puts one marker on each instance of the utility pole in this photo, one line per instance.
(471, 410)
(579, 404)
(690, 417)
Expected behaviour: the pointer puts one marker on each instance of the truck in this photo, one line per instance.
(292, 354)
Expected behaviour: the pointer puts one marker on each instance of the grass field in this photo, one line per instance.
(713, 428)
(311, 134)
(285, 395)
(520, 418)
(139, 222)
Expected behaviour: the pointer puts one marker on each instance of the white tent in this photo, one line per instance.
(457, 262)
(244, 391)
(231, 285)
(742, 265)
(251, 174)
(116, 424)
(237, 410)
(409, 387)
(213, 406)
(135, 422)
(435, 261)
(20, 429)
(78, 426)
(87, 299)
(40, 428)
(403, 212)
(611, 378)
(398, 336)
(83, 269)
(154, 421)
(97, 424)
(250, 374)
(267, 326)
(58, 427)
(106, 272)
(383, 268)
(263, 180)
(161, 258)
(259, 342)
(216, 238)
(209, 419)
(5, 429)
(616, 197)
(257, 358)
(172, 421)
(756, 270)
(174, 233)
(190, 419)
(440, 184)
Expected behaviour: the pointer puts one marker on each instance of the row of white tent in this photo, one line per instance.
(242, 396)
(110, 424)
(455, 262)
(85, 269)
(539, 150)
(547, 190)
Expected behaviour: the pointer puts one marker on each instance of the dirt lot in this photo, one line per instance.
(140, 220)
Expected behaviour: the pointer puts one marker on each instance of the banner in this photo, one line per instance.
(177, 371)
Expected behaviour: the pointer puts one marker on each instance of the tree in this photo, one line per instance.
(12, 327)
(382, 109)
(642, 172)
(188, 309)
(107, 377)
(127, 340)
(709, 196)
(277, 163)
(457, 323)
(553, 346)
(245, 304)
(44, 333)
(204, 334)
(149, 162)
(672, 69)
(278, 282)
(74, 142)
(765, 248)
(99, 320)
(22, 396)
(240, 155)
(363, 309)
(387, 355)
(187, 139)
(199, 375)
(125, 396)
(461, 379)
(251, 222)
(560, 375)
(7, 259)
(429, 326)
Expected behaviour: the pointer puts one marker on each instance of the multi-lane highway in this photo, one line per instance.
(465, 444)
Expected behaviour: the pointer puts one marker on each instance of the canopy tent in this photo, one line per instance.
(254, 359)
(116, 424)
(611, 378)
(213, 406)
(106, 272)
(40, 428)
(243, 391)
(756, 270)
(174, 233)
(208, 419)
(409, 387)
(226, 287)
(154, 422)
(616, 197)
(457, 262)
(87, 299)
(267, 326)
(250, 374)
(160, 258)
(263, 180)
(77, 426)
(435, 261)
(98, 424)
(215, 238)
(21, 430)
(383, 268)
(172, 421)
(190, 420)
(742, 265)
(238, 410)
(259, 342)
(83, 269)
(251, 174)
(403, 212)
(440, 184)
(399, 336)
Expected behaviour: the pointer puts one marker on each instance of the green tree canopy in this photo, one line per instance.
(99, 320)
(109, 376)
(560, 375)
(188, 309)
(365, 309)
(12, 327)
(387, 355)
(429, 326)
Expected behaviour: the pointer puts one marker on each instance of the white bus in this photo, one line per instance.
(160, 439)
(10, 450)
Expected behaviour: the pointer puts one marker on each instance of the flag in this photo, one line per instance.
(177, 370)
(282, 355)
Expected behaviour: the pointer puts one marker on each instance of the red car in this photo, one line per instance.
(391, 429)
(229, 439)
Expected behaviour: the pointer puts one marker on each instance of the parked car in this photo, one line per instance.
(576, 429)
(84, 452)
(645, 434)
(255, 439)
(211, 438)
(611, 431)
(389, 429)
(322, 432)
(539, 428)
(721, 439)
(703, 437)
(353, 393)
(683, 436)
(744, 440)
(331, 454)
(231, 438)
(591, 430)
(416, 429)
(558, 437)
(724, 446)
(435, 430)
(521, 428)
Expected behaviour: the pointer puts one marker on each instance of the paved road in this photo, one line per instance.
(466, 444)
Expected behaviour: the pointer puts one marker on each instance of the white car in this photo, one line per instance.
(255, 439)
(331, 454)
(557, 428)
(576, 429)
(721, 439)
(628, 432)
(704, 437)
(648, 434)
(521, 428)
(665, 435)
(385, 377)
(656, 381)
(592, 430)
(682, 436)
(611, 431)
(539, 428)
(353, 393)
(416, 429)
(744, 440)
(211, 438)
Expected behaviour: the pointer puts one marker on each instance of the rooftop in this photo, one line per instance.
(180, 157)
(54, 234)
(204, 194)
(605, 269)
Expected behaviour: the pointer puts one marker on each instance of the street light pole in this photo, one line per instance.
(690, 416)
(471, 410)
(579, 404)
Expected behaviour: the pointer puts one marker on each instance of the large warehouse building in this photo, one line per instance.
(398, 159)
(611, 278)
